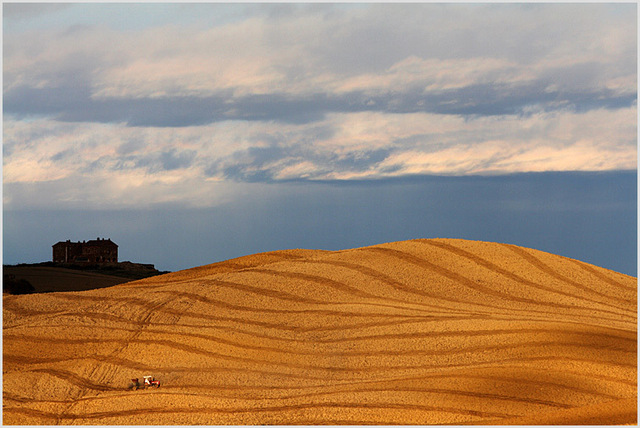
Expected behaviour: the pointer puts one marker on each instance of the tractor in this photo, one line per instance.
(149, 382)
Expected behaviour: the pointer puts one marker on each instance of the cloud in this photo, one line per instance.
(395, 58)
(75, 104)
(366, 145)
(270, 93)
(374, 57)
(29, 10)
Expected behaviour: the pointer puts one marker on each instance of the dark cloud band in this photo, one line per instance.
(75, 104)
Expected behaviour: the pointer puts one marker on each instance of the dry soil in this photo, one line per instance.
(416, 332)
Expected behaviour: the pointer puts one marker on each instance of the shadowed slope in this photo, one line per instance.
(45, 279)
(416, 332)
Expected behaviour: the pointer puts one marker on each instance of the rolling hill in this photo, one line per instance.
(434, 331)
(50, 277)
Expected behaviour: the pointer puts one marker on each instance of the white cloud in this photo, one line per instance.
(114, 165)
(353, 93)
(437, 74)
(382, 47)
(500, 157)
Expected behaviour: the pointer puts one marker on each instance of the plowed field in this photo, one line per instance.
(416, 332)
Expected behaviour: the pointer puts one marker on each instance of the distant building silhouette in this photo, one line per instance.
(93, 251)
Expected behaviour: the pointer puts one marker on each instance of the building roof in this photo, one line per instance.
(101, 242)
(91, 242)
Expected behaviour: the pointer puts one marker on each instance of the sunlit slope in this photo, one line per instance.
(416, 332)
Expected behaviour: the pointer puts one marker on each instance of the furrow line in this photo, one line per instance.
(632, 341)
(390, 385)
(226, 305)
(75, 379)
(580, 374)
(323, 379)
(122, 362)
(460, 279)
(254, 409)
(537, 263)
(602, 276)
(390, 389)
(301, 421)
(385, 279)
(626, 334)
(200, 351)
(337, 384)
(384, 352)
(399, 319)
(402, 287)
(321, 280)
(399, 388)
(57, 313)
(517, 278)
(281, 295)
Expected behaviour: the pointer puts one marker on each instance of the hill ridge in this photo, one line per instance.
(440, 331)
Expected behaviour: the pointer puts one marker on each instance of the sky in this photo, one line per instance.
(193, 133)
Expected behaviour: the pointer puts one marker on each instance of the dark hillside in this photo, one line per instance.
(50, 277)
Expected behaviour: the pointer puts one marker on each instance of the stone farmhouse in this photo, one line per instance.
(92, 251)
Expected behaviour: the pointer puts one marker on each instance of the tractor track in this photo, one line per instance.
(343, 386)
(610, 341)
(474, 285)
(534, 261)
(414, 332)
(109, 374)
(261, 409)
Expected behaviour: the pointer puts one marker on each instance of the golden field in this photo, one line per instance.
(423, 332)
